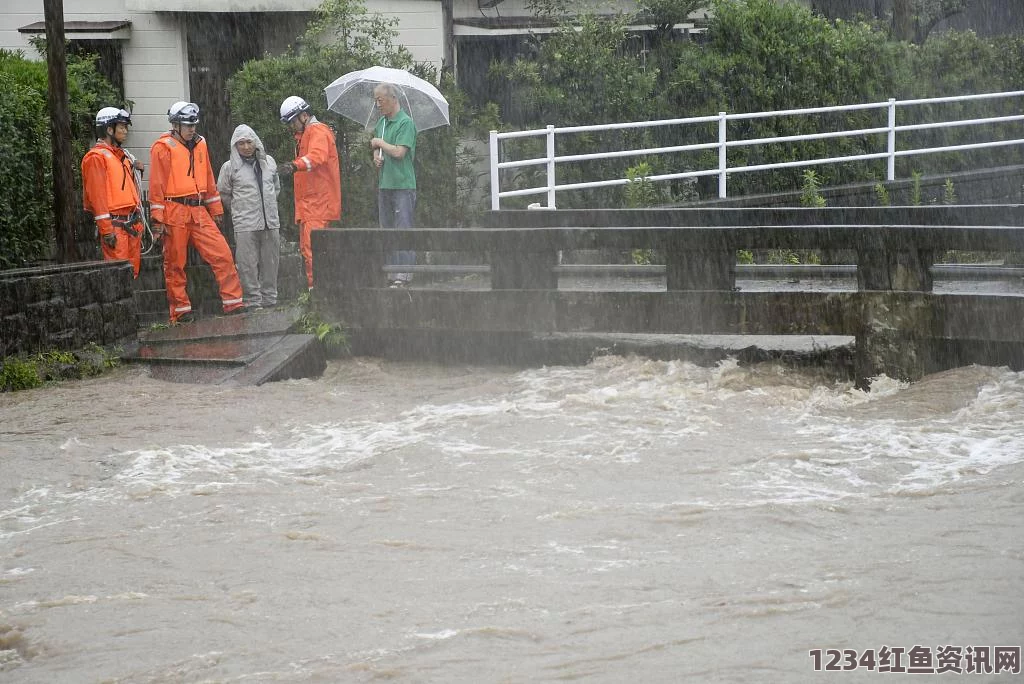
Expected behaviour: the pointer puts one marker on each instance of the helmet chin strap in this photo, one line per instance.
(176, 129)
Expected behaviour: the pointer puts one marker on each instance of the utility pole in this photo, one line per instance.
(60, 132)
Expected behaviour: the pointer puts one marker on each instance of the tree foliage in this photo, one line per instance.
(26, 183)
(344, 37)
(913, 20)
(756, 56)
(764, 56)
(904, 20)
(581, 75)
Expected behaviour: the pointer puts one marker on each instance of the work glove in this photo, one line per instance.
(286, 169)
(157, 229)
(219, 220)
(110, 240)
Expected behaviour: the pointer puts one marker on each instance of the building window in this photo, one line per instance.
(100, 38)
(108, 62)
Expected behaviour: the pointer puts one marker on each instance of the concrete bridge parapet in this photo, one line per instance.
(902, 327)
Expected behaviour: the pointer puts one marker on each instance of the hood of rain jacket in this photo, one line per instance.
(239, 190)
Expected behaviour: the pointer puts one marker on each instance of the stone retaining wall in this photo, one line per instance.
(66, 306)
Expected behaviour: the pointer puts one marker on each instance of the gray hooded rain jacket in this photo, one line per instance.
(239, 191)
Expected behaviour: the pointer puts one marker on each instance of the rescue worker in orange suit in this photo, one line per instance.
(109, 191)
(317, 175)
(186, 210)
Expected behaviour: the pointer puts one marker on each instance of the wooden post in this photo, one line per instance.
(60, 132)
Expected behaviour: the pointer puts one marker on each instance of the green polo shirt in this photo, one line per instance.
(398, 174)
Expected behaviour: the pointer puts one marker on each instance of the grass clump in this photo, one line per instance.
(27, 371)
(330, 334)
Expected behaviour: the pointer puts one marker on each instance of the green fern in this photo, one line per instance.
(882, 195)
(915, 188)
(948, 192)
(811, 193)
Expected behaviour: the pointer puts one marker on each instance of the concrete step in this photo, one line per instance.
(148, 319)
(246, 349)
(276, 321)
(151, 300)
(293, 356)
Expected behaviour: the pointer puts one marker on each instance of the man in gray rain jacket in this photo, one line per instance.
(249, 185)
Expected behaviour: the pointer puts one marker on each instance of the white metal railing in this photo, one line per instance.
(723, 144)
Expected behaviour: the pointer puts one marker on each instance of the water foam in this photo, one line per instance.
(875, 456)
(621, 411)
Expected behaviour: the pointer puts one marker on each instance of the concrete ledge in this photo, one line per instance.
(769, 216)
(293, 356)
(246, 349)
(835, 353)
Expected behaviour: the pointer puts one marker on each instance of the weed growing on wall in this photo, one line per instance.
(26, 371)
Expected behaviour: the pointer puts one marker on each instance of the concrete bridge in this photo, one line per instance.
(901, 326)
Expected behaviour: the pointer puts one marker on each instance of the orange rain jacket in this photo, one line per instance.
(177, 171)
(108, 185)
(317, 174)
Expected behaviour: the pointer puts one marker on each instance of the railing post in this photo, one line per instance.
(551, 166)
(722, 160)
(495, 200)
(891, 171)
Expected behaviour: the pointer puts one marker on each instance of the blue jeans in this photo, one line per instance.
(396, 209)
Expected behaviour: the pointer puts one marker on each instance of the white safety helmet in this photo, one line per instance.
(292, 106)
(183, 113)
(108, 116)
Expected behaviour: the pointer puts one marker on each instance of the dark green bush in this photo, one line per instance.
(18, 374)
(25, 210)
(26, 184)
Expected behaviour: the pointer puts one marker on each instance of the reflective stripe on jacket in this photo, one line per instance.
(317, 174)
(176, 171)
(108, 185)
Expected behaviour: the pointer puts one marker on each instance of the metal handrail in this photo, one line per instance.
(722, 170)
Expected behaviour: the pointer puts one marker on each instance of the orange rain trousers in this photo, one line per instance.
(127, 247)
(193, 226)
(306, 244)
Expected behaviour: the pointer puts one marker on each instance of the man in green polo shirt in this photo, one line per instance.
(394, 153)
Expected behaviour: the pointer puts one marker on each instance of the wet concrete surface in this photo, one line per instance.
(655, 283)
(237, 350)
(832, 351)
(261, 322)
(244, 349)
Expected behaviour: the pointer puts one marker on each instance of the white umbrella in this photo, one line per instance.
(352, 97)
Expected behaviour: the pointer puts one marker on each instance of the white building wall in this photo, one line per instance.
(469, 9)
(155, 57)
(155, 67)
(420, 27)
(155, 76)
